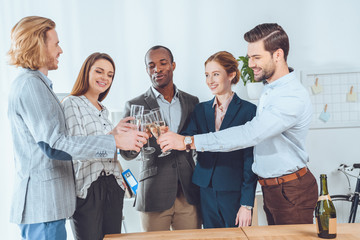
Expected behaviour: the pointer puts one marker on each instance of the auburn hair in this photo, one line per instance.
(228, 62)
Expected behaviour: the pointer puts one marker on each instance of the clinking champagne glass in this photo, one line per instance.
(160, 126)
(147, 120)
(144, 151)
(136, 111)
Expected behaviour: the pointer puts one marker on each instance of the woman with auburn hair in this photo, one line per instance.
(99, 183)
(227, 183)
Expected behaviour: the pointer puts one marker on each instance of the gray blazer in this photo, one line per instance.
(44, 187)
(160, 177)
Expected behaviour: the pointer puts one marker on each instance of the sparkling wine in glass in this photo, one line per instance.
(147, 120)
(160, 128)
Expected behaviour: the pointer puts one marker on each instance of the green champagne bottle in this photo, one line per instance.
(325, 212)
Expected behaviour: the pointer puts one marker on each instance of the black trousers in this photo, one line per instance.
(101, 212)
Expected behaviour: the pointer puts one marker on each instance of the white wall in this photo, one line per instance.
(324, 34)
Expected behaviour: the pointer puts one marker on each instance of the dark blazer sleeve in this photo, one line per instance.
(192, 126)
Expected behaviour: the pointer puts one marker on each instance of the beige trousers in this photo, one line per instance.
(181, 215)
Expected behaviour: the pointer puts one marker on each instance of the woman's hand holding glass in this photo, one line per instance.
(127, 137)
(123, 125)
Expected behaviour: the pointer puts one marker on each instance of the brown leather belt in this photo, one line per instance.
(283, 179)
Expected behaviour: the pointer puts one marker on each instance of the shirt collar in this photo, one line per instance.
(86, 100)
(225, 104)
(282, 81)
(158, 94)
(47, 80)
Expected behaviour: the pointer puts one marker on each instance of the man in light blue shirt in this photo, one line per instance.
(278, 132)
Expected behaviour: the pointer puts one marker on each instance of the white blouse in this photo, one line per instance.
(84, 119)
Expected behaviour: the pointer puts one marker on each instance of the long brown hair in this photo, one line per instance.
(228, 62)
(81, 85)
(28, 42)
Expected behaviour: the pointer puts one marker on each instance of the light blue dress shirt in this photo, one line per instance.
(171, 111)
(278, 131)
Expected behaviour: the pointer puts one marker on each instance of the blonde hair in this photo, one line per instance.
(28, 42)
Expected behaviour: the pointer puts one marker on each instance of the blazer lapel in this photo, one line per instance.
(52, 92)
(210, 115)
(150, 99)
(231, 112)
(184, 110)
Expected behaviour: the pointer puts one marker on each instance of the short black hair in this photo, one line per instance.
(157, 47)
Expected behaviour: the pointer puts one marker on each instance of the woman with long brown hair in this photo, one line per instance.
(99, 183)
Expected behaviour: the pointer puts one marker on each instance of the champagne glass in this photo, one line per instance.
(144, 151)
(160, 127)
(147, 120)
(152, 127)
(136, 111)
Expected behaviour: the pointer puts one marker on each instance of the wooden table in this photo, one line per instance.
(348, 231)
(214, 233)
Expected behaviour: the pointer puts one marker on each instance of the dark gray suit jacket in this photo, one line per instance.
(160, 177)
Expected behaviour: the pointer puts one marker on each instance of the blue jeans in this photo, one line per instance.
(54, 230)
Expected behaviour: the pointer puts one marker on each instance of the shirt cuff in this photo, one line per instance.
(199, 143)
(206, 142)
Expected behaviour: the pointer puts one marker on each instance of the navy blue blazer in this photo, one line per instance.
(224, 171)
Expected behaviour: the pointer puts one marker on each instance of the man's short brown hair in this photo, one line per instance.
(273, 35)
